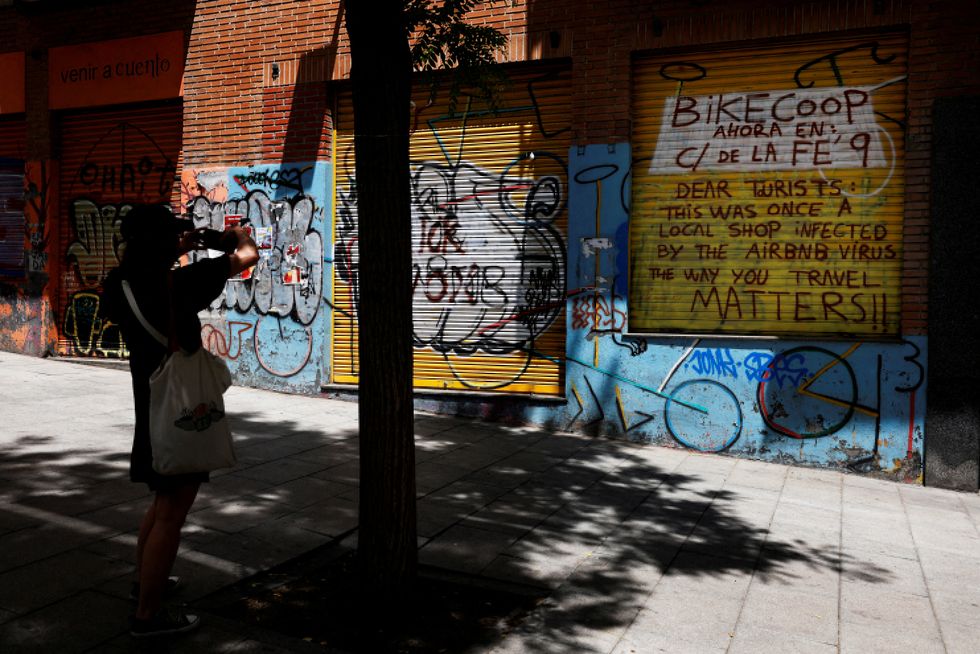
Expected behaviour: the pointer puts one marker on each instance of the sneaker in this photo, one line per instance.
(167, 622)
(173, 583)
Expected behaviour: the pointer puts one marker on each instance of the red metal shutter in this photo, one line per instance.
(110, 159)
(13, 148)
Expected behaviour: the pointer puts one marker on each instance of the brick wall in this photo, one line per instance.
(944, 61)
(238, 112)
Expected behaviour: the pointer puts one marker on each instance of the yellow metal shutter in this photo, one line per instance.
(489, 196)
(768, 189)
(110, 159)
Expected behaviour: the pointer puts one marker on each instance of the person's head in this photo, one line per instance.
(150, 234)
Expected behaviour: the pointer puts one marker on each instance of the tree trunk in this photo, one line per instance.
(381, 73)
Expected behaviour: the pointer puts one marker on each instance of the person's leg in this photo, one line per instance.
(145, 528)
(160, 547)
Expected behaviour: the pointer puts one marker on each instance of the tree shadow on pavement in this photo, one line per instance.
(595, 524)
(69, 515)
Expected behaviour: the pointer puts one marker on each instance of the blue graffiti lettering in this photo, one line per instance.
(716, 361)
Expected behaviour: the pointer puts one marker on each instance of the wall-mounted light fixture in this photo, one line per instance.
(554, 37)
(275, 71)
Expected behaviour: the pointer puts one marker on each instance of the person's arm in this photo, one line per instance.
(241, 249)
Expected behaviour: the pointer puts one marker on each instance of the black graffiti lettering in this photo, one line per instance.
(290, 178)
(831, 60)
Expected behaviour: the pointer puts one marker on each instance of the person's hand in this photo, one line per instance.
(231, 238)
(192, 240)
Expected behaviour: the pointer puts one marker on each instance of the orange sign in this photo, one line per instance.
(11, 82)
(112, 72)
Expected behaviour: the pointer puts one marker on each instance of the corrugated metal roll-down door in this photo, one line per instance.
(13, 135)
(110, 160)
(768, 188)
(489, 195)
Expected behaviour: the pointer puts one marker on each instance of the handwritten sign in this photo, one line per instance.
(117, 71)
(774, 130)
(767, 209)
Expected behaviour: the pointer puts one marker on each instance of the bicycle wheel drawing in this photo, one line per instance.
(807, 392)
(711, 431)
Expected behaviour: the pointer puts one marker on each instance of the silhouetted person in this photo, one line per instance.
(170, 299)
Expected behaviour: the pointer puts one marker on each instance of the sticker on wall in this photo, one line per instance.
(292, 276)
(232, 220)
(264, 237)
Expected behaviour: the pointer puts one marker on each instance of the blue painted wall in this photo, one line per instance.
(818, 403)
(275, 334)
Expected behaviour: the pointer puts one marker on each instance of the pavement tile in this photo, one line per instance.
(864, 604)
(47, 581)
(74, 624)
(31, 544)
(959, 638)
(793, 572)
(469, 493)
(288, 536)
(119, 517)
(706, 621)
(281, 471)
(6, 616)
(797, 612)
(121, 547)
(434, 515)
(302, 492)
(331, 517)
(251, 550)
(433, 475)
(947, 542)
(862, 638)
(561, 445)
(237, 515)
(345, 473)
(530, 460)
(861, 548)
(472, 457)
(328, 456)
(501, 474)
(728, 578)
(532, 568)
(509, 517)
(585, 520)
(465, 549)
(887, 573)
(957, 608)
(652, 642)
(225, 488)
(938, 498)
(83, 498)
(883, 497)
(11, 521)
(747, 481)
(756, 639)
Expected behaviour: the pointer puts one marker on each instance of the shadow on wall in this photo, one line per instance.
(308, 130)
(511, 504)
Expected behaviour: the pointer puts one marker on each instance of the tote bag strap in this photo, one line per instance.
(153, 331)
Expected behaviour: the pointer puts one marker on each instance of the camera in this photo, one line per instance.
(182, 225)
(211, 239)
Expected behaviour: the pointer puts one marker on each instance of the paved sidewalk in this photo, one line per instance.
(643, 549)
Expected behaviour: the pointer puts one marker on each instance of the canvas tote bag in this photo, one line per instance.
(188, 428)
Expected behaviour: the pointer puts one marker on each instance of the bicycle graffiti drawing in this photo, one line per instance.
(700, 414)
